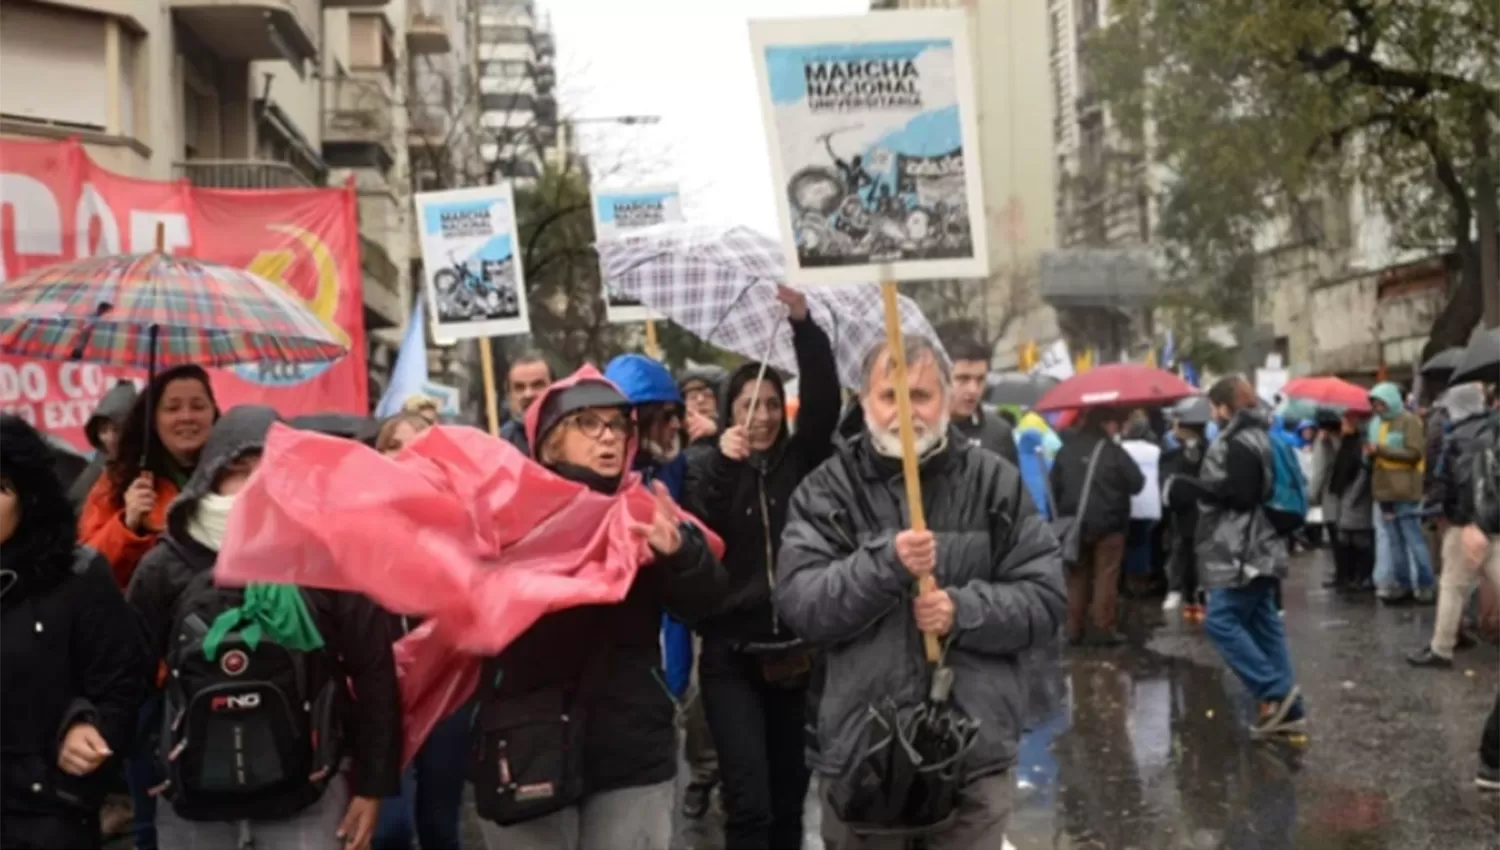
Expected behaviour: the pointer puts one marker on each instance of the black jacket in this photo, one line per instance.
(357, 633)
(745, 502)
(988, 431)
(1116, 479)
(843, 588)
(607, 659)
(71, 653)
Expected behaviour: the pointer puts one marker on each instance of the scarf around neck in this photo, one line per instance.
(209, 519)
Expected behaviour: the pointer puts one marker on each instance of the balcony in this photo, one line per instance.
(357, 120)
(246, 30)
(427, 35)
(379, 223)
(241, 174)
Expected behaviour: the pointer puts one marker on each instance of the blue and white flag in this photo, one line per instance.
(1169, 351)
(409, 375)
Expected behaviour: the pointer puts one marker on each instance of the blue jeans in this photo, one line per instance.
(1244, 626)
(1401, 523)
(432, 792)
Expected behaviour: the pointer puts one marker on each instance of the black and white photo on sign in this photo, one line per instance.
(472, 275)
(619, 211)
(874, 145)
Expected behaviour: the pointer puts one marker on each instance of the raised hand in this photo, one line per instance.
(661, 533)
(795, 301)
(734, 443)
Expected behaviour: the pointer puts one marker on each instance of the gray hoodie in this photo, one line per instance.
(113, 407)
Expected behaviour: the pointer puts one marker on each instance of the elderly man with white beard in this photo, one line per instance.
(846, 582)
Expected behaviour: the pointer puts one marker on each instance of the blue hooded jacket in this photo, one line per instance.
(645, 381)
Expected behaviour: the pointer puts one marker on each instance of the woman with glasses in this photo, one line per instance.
(574, 741)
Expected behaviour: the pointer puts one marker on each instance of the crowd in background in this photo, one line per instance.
(770, 654)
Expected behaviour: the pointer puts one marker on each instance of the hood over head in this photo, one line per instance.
(1464, 401)
(737, 380)
(583, 389)
(1194, 410)
(1305, 424)
(643, 380)
(113, 407)
(1389, 394)
(707, 374)
(240, 431)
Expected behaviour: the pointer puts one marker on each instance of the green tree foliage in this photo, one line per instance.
(1256, 106)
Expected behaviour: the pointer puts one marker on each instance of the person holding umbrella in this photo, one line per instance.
(166, 429)
(1093, 480)
(754, 671)
(845, 583)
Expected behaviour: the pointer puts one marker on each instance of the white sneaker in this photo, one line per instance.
(1172, 602)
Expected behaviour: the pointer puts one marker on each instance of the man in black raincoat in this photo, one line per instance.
(846, 582)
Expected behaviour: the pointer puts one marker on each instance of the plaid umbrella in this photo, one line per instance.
(145, 310)
(720, 285)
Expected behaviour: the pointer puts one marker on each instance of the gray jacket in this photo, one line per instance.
(841, 586)
(1236, 542)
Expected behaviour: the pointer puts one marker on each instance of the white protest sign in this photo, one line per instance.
(471, 269)
(874, 146)
(617, 212)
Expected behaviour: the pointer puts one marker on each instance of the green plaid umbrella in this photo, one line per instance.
(149, 311)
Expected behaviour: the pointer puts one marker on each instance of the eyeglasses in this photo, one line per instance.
(593, 425)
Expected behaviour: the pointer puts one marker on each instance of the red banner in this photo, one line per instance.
(57, 205)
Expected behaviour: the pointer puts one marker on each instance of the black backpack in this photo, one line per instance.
(252, 734)
(1484, 474)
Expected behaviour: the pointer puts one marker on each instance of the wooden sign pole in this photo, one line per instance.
(491, 398)
(909, 469)
(653, 347)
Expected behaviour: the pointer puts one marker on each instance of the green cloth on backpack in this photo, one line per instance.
(277, 611)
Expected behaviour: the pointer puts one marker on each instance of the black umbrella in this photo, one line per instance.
(1443, 362)
(1480, 360)
(1017, 389)
(346, 425)
(908, 766)
(67, 461)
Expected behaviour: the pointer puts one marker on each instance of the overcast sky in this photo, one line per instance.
(687, 61)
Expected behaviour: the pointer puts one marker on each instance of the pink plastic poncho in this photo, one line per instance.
(460, 528)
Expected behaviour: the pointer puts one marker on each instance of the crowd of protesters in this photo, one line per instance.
(772, 654)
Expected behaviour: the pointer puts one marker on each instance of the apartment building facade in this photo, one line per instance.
(1008, 46)
(237, 94)
(517, 88)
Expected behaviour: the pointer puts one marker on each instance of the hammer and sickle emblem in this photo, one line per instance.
(273, 265)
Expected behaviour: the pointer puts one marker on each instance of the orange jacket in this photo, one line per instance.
(102, 526)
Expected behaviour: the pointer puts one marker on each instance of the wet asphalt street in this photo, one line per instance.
(1145, 747)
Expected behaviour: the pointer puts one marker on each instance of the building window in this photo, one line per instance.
(91, 57)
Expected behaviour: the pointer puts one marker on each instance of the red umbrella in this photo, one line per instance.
(1329, 392)
(1117, 385)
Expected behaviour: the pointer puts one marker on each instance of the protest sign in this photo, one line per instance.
(470, 265)
(618, 211)
(874, 146)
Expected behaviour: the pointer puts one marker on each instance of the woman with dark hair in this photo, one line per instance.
(127, 508)
(73, 669)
